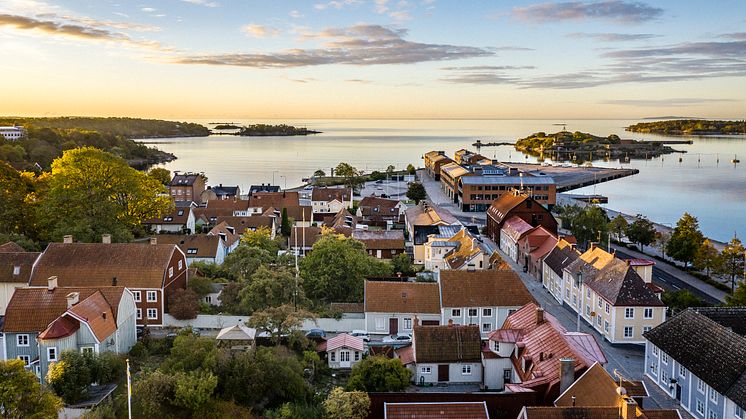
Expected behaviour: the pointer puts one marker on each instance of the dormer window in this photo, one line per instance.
(181, 212)
(191, 251)
(16, 270)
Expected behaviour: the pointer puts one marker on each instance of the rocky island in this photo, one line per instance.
(580, 146)
(282, 130)
(690, 127)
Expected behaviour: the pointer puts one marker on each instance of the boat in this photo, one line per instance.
(735, 159)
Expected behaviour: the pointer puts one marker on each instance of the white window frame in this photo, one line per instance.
(25, 358)
(738, 412)
(20, 344)
(466, 370)
(631, 334)
(701, 387)
(87, 349)
(486, 312)
(475, 311)
(656, 351)
(486, 329)
(714, 396)
(646, 311)
(646, 329)
(380, 323)
(606, 326)
(16, 270)
(154, 310)
(682, 371)
(52, 350)
(344, 356)
(455, 312)
(171, 272)
(333, 356)
(154, 294)
(407, 323)
(181, 264)
(139, 314)
(608, 308)
(700, 407)
(137, 295)
(426, 370)
(629, 312)
(664, 358)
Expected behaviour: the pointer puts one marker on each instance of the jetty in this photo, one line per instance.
(569, 178)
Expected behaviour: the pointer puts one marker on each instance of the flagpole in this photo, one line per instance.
(129, 391)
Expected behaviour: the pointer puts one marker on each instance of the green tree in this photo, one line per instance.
(200, 285)
(90, 192)
(336, 268)
(279, 321)
(319, 173)
(685, 239)
(641, 231)
(707, 257)
(71, 376)
(194, 389)
(261, 238)
(345, 170)
(390, 169)
(15, 191)
(738, 297)
(286, 225)
(402, 264)
(268, 288)
(681, 300)
(160, 174)
(733, 260)
(416, 192)
(618, 226)
(245, 260)
(378, 373)
(411, 169)
(191, 352)
(590, 224)
(183, 304)
(151, 394)
(21, 395)
(342, 404)
(229, 299)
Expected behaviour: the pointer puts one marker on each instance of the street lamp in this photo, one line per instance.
(580, 296)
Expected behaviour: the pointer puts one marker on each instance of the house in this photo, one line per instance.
(15, 271)
(343, 351)
(301, 215)
(240, 224)
(462, 251)
(380, 212)
(231, 207)
(423, 220)
(236, 338)
(434, 160)
(198, 247)
(525, 353)
(302, 239)
(343, 218)
(481, 298)
(390, 307)
(263, 188)
(513, 230)
(519, 205)
(382, 244)
(444, 354)
(698, 357)
(87, 319)
(231, 239)
(153, 272)
(330, 200)
(213, 297)
(259, 202)
(441, 410)
(11, 247)
(180, 220)
(612, 297)
(533, 247)
(187, 186)
(221, 192)
(12, 133)
(596, 395)
(204, 216)
(554, 264)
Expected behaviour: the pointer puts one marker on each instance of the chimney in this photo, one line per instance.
(593, 246)
(72, 299)
(67, 239)
(567, 373)
(416, 320)
(153, 240)
(626, 261)
(106, 238)
(629, 408)
(539, 315)
(52, 283)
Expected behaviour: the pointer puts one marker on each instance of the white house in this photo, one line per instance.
(13, 133)
(330, 200)
(344, 351)
(553, 267)
(198, 247)
(180, 220)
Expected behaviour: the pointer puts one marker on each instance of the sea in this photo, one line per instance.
(702, 180)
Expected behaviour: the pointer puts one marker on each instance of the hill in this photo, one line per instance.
(690, 127)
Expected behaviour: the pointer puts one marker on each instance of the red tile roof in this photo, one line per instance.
(441, 410)
(193, 245)
(515, 228)
(380, 239)
(346, 341)
(451, 343)
(24, 261)
(93, 310)
(11, 247)
(241, 224)
(278, 200)
(402, 297)
(329, 194)
(484, 288)
(502, 206)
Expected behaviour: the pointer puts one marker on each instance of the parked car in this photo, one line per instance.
(398, 339)
(316, 334)
(362, 334)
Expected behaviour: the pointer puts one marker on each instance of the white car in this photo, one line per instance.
(362, 334)
(398, 339)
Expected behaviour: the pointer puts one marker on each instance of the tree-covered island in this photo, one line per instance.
(690, 127)
(580, 146)
(282, 130)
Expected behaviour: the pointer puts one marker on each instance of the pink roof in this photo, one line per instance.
(641, 262)
(515, 227)
(506, 335)
(405, 354)
(344, 340)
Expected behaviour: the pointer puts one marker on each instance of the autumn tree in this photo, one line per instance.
(641, 231)
(183, 304)
(685, 239)
(416, 192)
(733, 261)
(342, 404)
(279, 321)
(707, 257)
(261, 238)
(90, 192)
(15, 194)
(21, 395)
(618, 226)
(378, 373)
(160, 174)
(245, 260)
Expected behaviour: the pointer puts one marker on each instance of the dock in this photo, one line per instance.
(569, 178)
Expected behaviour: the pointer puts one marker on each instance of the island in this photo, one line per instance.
(45, 139)
(579, 146)
(690, 127)
(226, 126)
(265, 130)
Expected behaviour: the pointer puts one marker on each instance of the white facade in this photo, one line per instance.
(554, 283)
(487, 318)
(6, 293)
(12, 133)
(509, 246)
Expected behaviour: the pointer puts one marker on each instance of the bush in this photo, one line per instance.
(378, 373)
(183, 304)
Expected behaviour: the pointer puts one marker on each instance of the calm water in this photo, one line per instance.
(713, 191)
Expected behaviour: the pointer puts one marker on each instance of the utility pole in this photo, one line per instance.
(295, 293)
(580, 296)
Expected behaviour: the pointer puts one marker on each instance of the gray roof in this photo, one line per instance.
(560, 258)
(507, 180)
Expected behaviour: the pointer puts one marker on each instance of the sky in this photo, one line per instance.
(373, 58)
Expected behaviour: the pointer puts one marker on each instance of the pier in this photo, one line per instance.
(569, 178)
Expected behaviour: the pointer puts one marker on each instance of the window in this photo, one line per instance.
(22, 340)
(587, 310)
(712, 415)
(713, 395)
(607, 308)
(152, 296)
(25, 358)
(648, 313)
(181, 264)
(466, 370)
(606, 326)
(379, 323)
(456, 312)
(629, 332)
(645, 329)
(16, 270)
(654, 369)
(472, 312)
(51, 354)
(629, 313)
(152, 313)
(574, 299)
(496, 346)
(664, 377)
(567, 293)
(190, 251)
(87, 350)
(701, 387)
(507, 375)
(171, 272)
(700, 407)
(664, 358)
(598, 320)
(486, 312)
(600, 303)
(655, 351)
(682, 371)
(344, 356)
(139, 314)
(486, 327)
(739, 412)
(357, 356)
(407, 323)
(333, 356)
(588, 293)
(426, 370)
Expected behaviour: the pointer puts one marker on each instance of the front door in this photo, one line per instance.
(443, 373)
(678, 392)
(393, 325)
(344, 359)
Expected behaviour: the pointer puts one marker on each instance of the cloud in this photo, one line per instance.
(680, 102)
(738, 36)
(489, 68)
(148, 9)
(360, 44)
(620, 11)
(295, 14)
(202, 3)
(613, 37)
(74, 31)
(400, 15)
(336, 4)
(360, 81)
(259, 31)
(380, 6)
